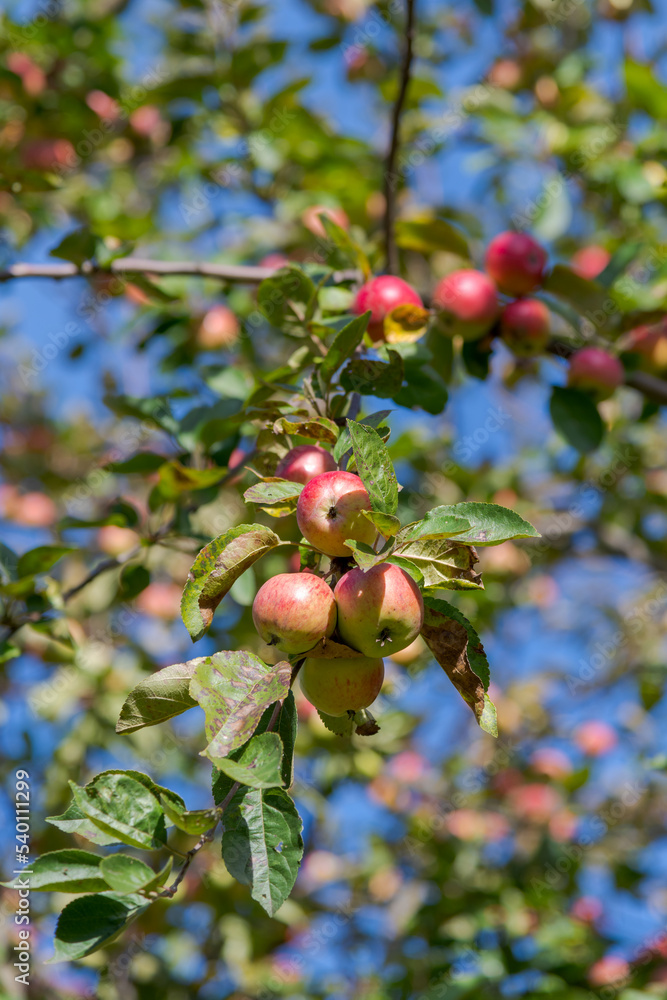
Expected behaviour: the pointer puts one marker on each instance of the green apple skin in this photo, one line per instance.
(329, 511)
(337, 686)
(293, 611)
(380, 611)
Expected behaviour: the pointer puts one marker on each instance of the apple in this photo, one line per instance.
(49, 154)
(467, 302)
(219, 329)
(524, 326)
(311, 218)
(293, 611)
(161, 600)
(103, 105)
(380, 610)
(328, 512)
(595, 737)
(276, 260)
(381, 295)
(337, 686)
(594, 370)
(607, 970)
(516, 262)
(590, 261)
(304, 462)
(650, 342)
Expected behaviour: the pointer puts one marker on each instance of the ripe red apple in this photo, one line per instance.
(524, 326)
(339, 686)
(276, 260)
(381, 295)
(380, 610)
(293, 611)
(219, 329)
(329, 511)
(467, 302)
(49, 154)
(516, 262)
(311, 218)
(596, 371)
(590, 261)
(304, 462)
(608, 970)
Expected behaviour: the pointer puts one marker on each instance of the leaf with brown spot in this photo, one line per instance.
(216, 568)
(444, 563)
(234, 689)
(459, 651)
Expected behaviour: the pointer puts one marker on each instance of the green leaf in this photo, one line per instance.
(262, 845)
(156, 408)
(374, 378)
(192, 821)
(619, 263)
(387, 524)
(285, 726)
(444, 563)
(41, 559)
(122, 514)
(584, 295)
(285, 297)
(88, 923)
(217, 567)
(74, 821)
(126, 874)
(365, 556)
(175, 479)
(273, 491)
(234, 689)
(133, 579)
(159, 697)
(322, 429)
(143, 461)
(124, 808)
(260, 764)
(645, 92)
(76, 247)
(70, 870)
(438, 523)
(410, 568)
(576, 417)
(374, 467)
(376, 420)
(459, 651)
(343, 345)
(8, 564)
(350, 250)
(489, 523)
(430, 235)
(425, 389)
(340, 725)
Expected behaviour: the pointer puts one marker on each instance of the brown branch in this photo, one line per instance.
(390, 180)
(242, 273)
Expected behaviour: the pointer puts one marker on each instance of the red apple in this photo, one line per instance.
(524, 326)
(329, 511)
(276, 260)
(590, 261)
(516, 262)
(219, 329)
(596, 371)
(161, 600)
(49, 154)
(467, 302)
(310, 218)
(293, 611)
(595, 737)
(304, 462)
(611, 969)
(339, 686)
(380, 610)
(381, 295)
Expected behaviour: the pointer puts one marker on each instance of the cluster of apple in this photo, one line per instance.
(467, 304)
(374, 613)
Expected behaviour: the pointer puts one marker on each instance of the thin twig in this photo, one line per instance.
(243, 273)
(103, 567)
(209, 834)
(390, 180)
